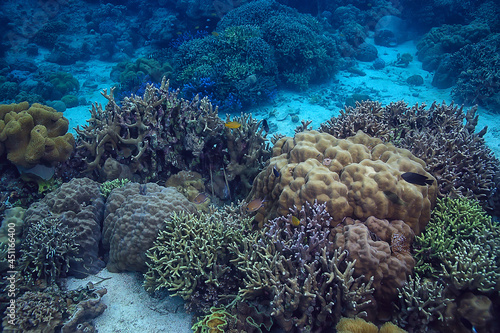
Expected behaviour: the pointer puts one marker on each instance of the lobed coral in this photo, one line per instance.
(134, 214)
(443, 136)
(356, 177)
(33, 135)
(380, 250)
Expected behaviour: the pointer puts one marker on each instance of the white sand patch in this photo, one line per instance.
(131, 309)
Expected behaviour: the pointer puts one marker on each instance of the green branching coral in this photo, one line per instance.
(110, 185)
(204, 269)
(46, 251)
(421, 302)
(453, 223)
(470, 267)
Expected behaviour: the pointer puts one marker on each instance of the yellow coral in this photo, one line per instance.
(33, 135)
(358, 325)
(356, 177)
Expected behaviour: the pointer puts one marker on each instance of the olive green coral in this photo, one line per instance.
(204, 240)
(456, 225)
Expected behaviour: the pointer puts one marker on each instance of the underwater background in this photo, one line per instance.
(250, 166)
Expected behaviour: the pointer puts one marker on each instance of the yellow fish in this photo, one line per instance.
(232, 124)
(295, 221)
(215, 34)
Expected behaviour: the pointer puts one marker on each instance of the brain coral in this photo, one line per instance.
(32, 135)
(133, 216)
(357, 177)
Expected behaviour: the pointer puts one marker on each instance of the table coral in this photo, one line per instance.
(380, 249)
(357, 177)
(134, 214)
(32, 135)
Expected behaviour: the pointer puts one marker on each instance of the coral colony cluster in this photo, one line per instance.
(380, 220)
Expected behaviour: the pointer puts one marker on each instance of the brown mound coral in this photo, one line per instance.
(134, 214)
(33, 135)
(356, 177)
(381, 249)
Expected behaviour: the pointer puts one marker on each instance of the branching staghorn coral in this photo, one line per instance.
(454, 223)
(46, 250)
(203, 274)
(420, 303)
(307, 283)
(470, 267)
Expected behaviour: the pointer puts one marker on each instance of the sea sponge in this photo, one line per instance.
(381, 249)
(133, 216)
(33, 135)
(356, 177)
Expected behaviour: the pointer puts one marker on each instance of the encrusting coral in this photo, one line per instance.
(34, 134)
(134, 213)
(356, 177)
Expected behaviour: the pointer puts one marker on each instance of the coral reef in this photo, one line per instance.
(359, 325)
(33, 135)
(380, 250)
(158, 134)
(421, 302)
(461, 243)
(443, 136)
(53, 310)
(134, 214)
(46, 251)
(303, 53)
(78, 208)
(307, 283)
(204, 275)
(356, 177)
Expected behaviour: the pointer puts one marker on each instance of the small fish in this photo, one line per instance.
(417, 179)
(294, 220)
(468, 325)
(232, 124)
(215, 34)
(394, 198)
(254, 205)
(197, 27)
(265, 126)
(179, 33)
(200, 198)
(276, 172)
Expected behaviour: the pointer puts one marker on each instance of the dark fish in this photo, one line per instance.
(417, 179)
(265, 126)
(200, 198)
(276, 172)
(468, 325)
(394, 198)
